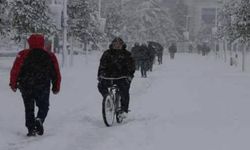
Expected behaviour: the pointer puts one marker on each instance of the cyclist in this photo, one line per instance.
(117, 62)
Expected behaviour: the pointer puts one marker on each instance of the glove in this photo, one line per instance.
(129, 79)
(13, 87)
(99, 78)
(55, 90)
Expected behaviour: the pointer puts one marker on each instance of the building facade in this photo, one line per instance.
(203, 12)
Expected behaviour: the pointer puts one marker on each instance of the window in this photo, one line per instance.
(208, 15)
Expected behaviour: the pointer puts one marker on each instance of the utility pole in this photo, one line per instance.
(244, 41)
(65, 18)
(187, 23)
(100, 6)
(52, 36)
(244, 56)
(72, 51)
(244, 33)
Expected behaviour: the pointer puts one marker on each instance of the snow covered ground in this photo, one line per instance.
(190, 103)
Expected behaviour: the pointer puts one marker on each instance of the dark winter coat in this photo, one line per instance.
(152, 52)
(35, 68)
(156, 46)
(144, 53)
(116, 63)
(160, 50)
(135, 51)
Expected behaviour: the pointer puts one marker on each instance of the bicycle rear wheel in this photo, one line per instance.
(108, 110)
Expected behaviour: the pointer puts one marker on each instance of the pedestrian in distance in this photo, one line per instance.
(152, 54)
(135, 51)
(144, 60)
(160, 54)
(158, 49)
(172, 50)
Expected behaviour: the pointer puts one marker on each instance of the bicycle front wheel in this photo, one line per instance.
(108, 110)
(119, 119)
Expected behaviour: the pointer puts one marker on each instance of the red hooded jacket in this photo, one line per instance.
(35, 41)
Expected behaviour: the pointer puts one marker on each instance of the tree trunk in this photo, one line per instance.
(72, 51)
(244, 57)
(86, 51)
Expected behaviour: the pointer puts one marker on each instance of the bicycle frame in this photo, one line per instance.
(114, 93)
(115, 98)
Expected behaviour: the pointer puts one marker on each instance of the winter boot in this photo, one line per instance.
(31, 132)
(123, 115)
(39, 126)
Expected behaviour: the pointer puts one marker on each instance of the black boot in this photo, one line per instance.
(39, 126)
(31, 132)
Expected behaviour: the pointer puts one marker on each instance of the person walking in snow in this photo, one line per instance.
(159, 53)
(172, 50)
(158, 49)
(135, 50)
(144, 60)
(117, 62)
(33, 72)
(152, 54)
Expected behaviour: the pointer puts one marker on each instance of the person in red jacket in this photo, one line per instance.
(33, 73)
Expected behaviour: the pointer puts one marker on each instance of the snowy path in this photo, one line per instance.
(191, 103)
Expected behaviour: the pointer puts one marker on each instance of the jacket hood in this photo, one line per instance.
(36, 41)
(124, 46)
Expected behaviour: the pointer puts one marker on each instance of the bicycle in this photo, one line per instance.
(111, 104)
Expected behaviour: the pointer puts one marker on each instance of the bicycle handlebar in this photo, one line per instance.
(108, 78)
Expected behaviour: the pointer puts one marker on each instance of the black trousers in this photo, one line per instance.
(123, 85)
(137, 64)
(144, 67)
(38, 97)
(150, 64)
(172, 55)
(160, 59)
